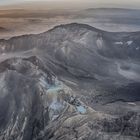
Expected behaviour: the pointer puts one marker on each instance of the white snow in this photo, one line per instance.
(3, 92)
(131, 103)
(119, 43)
(99, 43)
(129, 42)
(24, 125)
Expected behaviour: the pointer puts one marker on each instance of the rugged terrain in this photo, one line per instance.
(73, 82)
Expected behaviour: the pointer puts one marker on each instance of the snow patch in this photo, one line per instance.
(131, 103)
(129, 42)
(119, 43)
(99, 43)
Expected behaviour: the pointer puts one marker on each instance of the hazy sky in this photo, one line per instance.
(100, 3)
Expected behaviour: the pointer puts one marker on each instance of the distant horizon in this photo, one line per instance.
(86, 8)
(69, 4)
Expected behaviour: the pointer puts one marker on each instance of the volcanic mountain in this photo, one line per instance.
(71, 82)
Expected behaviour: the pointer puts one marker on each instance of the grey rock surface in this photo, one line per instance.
(73, 82)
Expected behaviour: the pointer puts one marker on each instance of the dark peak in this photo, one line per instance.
(2, 29)
(76, 26)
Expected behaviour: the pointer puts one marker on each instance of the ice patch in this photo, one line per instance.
(54, 88)
(81, 109)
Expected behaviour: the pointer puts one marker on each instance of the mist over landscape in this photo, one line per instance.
(25, 21)
(69, 70)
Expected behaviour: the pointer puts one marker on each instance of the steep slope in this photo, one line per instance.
(71, 82)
